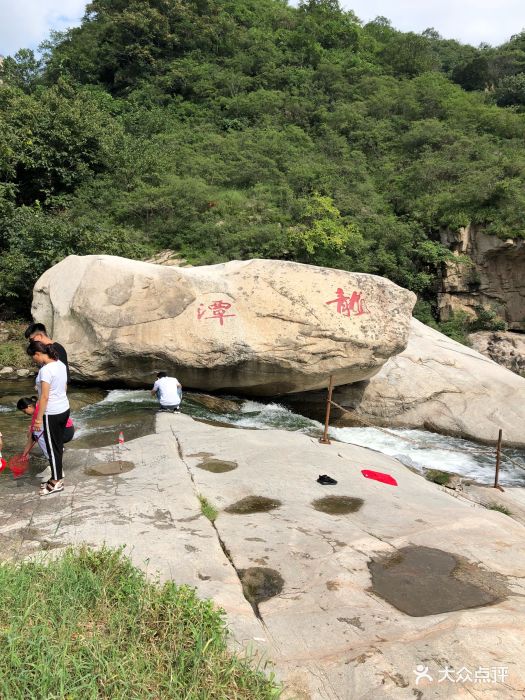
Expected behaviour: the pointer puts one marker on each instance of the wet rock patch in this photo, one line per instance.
(259, 583)
(110, 468)
(216, 466)
(253, 504)
(337, 505)
(423, 581)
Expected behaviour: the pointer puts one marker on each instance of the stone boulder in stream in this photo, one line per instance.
(260, 327)
(435, 384)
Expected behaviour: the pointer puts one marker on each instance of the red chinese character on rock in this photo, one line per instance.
(346, 305)
(218, 310)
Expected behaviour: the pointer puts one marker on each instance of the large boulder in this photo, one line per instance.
(504, 347)
(435, 384)
(260, 327)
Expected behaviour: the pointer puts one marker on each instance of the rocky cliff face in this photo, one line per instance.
(495, 278)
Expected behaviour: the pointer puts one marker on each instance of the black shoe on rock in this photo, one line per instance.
(326, 480)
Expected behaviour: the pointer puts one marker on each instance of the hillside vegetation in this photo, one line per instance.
(250, 128)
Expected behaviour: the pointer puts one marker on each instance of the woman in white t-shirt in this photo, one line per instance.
(53, 409)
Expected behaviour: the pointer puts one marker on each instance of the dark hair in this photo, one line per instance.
(25, 402)
(35, 328)
(37, 346)
(161, 375)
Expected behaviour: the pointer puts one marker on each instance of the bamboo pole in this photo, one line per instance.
(325, 440)
(498, 460)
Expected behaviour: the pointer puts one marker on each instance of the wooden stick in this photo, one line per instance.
(498, 459)
(325, 439)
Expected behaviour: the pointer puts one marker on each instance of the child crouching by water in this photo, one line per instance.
(29, 406)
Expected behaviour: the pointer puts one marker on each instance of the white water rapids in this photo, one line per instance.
(132, 411)
(418, 449)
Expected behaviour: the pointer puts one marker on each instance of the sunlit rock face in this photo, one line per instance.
(434, 384)
(258, 327)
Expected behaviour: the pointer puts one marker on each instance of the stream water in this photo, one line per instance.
(100, 415)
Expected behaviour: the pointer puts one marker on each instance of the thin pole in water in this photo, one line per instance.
(120, 448)
(498, 459)
(325, 439)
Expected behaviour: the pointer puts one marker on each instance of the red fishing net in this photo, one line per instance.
(18, 464)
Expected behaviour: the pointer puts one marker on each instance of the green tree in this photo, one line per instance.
(323, 238)
(23, 70)
(511, 91)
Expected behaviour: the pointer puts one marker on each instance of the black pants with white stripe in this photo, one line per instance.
(54, 427)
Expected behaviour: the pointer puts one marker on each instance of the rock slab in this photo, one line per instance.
(436, 384)
(262, 327)
(330, 633)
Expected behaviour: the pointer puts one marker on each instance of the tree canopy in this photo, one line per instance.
(249, 128)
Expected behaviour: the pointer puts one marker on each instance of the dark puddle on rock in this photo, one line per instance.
(253, 504)
(338, 505)
(110, 468)
(422, 581)
(259, 584)
(217, 466)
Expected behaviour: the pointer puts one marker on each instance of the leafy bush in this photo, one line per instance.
(13, 347)
(456, 327)
(487, 320)
(425, 312)
(34, 241)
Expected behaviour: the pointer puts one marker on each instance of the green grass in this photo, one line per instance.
(500, 509)
(438, 477)
(89, 625)
(207, 509)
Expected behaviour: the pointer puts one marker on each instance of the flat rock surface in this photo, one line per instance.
(329, 633)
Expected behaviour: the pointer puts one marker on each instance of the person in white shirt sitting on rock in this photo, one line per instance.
(168, 390)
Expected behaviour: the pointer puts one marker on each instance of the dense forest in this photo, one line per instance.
(249, 128)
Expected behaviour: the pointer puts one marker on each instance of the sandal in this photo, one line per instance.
(48, 488)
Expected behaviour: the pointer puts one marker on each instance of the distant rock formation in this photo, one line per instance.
(504, 347)
(495, 278)
(258, 327)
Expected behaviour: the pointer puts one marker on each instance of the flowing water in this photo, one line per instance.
(100, 415)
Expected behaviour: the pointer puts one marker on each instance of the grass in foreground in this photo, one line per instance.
(90, 625)
(207, 509)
